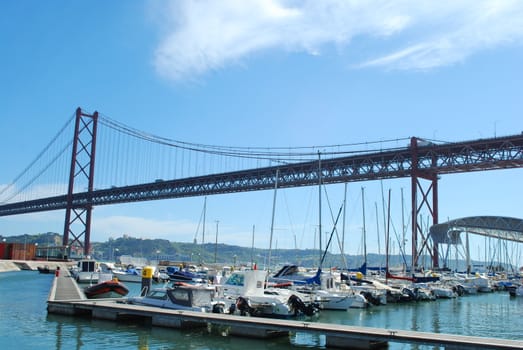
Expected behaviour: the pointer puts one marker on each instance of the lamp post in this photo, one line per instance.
(216, 242)
(114, 256)
(36, 250)
(47, 251)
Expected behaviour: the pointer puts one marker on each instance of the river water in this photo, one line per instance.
(25, 324)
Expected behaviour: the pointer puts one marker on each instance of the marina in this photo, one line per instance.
(66, 298)
(26, 322)
(265, 175)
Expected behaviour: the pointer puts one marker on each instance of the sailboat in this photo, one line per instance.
(327, 286)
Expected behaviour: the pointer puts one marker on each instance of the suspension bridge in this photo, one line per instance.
(94, 160)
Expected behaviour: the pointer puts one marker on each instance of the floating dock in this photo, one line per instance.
(66, 298)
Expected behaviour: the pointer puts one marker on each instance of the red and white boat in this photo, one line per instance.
(109, 288)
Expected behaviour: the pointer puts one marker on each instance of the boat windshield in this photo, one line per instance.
(180, 296)
(157, 294)
(235, 280)
(201, 297)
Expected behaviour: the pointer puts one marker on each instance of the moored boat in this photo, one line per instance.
(107, 287)
(182, 296)
(245, 290)
(85, 271)
(45, 269)
(515, 290)
(332, 294)
(130, 274)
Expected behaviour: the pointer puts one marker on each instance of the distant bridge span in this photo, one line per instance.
(419, 161)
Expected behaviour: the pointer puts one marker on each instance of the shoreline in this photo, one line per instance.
(30, 265)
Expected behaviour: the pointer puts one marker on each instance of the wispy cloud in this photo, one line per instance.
(173, 230)
(139, 227)
(206, 35)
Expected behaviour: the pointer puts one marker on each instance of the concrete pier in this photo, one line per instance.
(63, 299)
(18, 265)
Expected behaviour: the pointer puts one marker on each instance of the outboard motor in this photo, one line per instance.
(298, 306)
(244, 306)
(407, 294)
(370, 298)
(232, 308)
(459, 289)
(218, 309)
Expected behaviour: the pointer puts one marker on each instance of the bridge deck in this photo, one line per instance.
(66, 298)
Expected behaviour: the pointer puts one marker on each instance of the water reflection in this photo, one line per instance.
(82, 333)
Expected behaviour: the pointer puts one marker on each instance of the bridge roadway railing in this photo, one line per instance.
(420, 157)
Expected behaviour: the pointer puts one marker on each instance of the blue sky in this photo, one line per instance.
(268, 74)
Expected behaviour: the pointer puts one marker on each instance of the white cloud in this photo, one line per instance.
(208, 35)
(138, 227)
(172, 230)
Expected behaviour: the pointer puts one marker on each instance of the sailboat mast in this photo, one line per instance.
(364, 229)
(387, 243)
(343, 229)
(203, 228)
(272, 220)
(403, 228)
(467, 247)
(252, 246)
(378, 232)
(319, 201)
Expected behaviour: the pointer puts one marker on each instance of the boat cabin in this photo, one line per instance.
(184, 296)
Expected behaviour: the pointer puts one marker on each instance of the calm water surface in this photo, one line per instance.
(25, 324)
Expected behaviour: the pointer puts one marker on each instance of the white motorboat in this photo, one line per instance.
(470, 282)
(515, 290)
(85, 271)
(181, 296)
(245, 292)
(332, 295)
(442, 291)
(130, 274)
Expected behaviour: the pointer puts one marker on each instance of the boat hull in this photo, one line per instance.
(107, 289)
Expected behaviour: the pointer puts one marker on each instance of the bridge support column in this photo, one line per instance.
(427, 203)
(82, 168)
